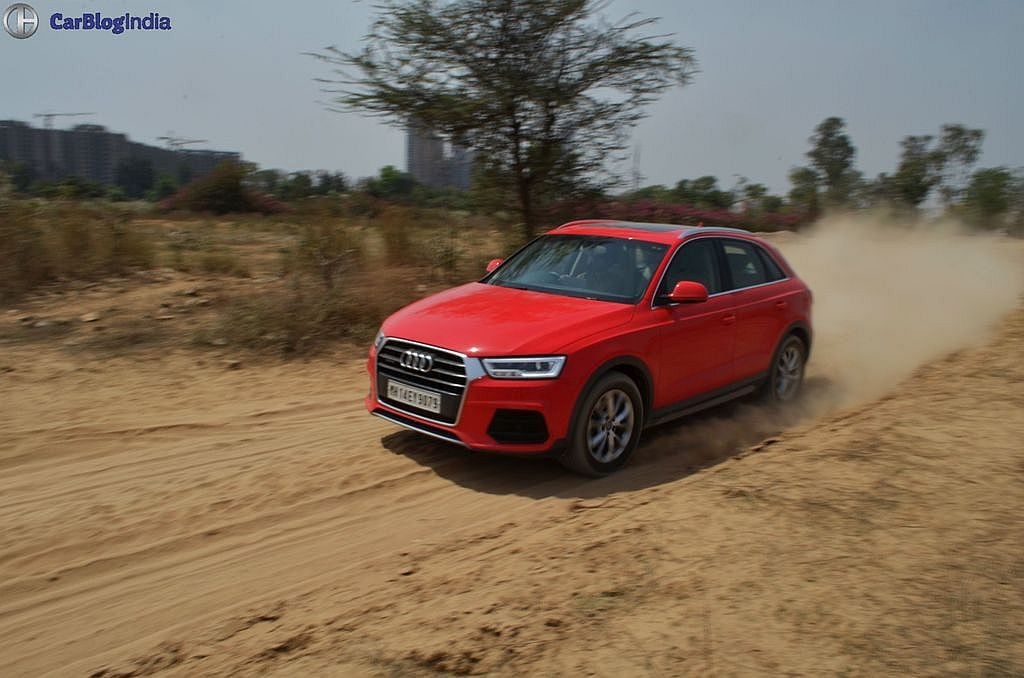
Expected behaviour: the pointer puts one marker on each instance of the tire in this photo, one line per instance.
(786, 372)
(607, 427)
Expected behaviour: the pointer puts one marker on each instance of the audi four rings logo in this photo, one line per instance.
(20, 20)
(414, 360)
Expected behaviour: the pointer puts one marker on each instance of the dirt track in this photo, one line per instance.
(158, 515)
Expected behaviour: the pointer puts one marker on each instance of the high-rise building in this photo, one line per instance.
(93, 153)
(434, 162)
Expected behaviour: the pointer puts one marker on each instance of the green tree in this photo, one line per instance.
(545, 90)
(298, 185)
(328, 183)
(657, 192)
(832, 155)
(755, 197)
(877, 192)
(752, 195)
(221, 191)
(135, 176)
(76, 188)
(703, 192)
(391, 184)
(267, 180)
(959, 148)
(772, 204)
(927, 162)
(803, 195)
(989, 194)
(1015, 218)
(918, 173)
(164, 187)
(21, 175)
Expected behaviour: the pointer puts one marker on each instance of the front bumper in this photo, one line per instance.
(514, 416)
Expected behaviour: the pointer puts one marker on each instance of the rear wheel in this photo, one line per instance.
(787, 370)
(607, 427)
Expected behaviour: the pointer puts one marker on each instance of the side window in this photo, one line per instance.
(695, 261)
(745, 265)
(771, 268)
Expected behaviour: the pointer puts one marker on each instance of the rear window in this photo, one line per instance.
(772, 269)
(746, 266)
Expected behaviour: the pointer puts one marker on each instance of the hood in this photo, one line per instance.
(489, 320)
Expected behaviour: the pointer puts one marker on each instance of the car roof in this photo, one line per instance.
(663, 233)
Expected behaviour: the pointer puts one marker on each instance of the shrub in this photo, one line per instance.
(445, 253)
(222, 191)
(90, 242)
(403, 233)
(326, 248)
(295, 316)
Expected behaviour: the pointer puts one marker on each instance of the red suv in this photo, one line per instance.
(589, 334)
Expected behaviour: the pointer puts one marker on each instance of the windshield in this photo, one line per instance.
(594, 267)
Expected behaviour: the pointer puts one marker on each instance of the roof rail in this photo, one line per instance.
(685, 230)
(720, 229)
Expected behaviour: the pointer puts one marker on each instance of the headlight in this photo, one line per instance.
(546, 367)
(378, 341)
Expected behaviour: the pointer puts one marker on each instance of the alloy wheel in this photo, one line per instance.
(610, 426)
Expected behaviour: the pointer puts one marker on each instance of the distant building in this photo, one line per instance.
(434, 162)
(93, 153)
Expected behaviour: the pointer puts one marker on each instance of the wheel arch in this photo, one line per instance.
(631, 366)
(802, 331)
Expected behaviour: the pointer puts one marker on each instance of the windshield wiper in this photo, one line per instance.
(514, 286)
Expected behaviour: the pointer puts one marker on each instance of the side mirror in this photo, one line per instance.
(688, 292)
(493, 264)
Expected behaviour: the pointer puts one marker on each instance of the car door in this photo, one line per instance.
(695, 347)
(757, 295)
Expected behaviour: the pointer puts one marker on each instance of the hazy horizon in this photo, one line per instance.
(235, 74)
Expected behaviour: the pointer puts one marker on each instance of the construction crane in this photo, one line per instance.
(48, 117)
(175, 143)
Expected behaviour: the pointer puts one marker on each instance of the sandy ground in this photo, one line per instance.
(160, 514)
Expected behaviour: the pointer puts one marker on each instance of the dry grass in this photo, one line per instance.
(339, 278)
(40, 243)
(297, 315)
(222, 262)
(123, 337)
(315, 277)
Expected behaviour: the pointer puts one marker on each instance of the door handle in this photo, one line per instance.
(780, 304)
(729, 319)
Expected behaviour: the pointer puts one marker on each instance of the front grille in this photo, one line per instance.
(446, 377)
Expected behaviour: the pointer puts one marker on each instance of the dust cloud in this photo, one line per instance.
(889, 296)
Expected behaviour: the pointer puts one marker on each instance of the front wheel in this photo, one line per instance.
(787, 370)
(607, 427)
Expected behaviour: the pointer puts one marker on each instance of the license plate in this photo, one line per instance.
(417, 397)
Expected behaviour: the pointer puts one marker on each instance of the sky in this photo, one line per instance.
(235, 74)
